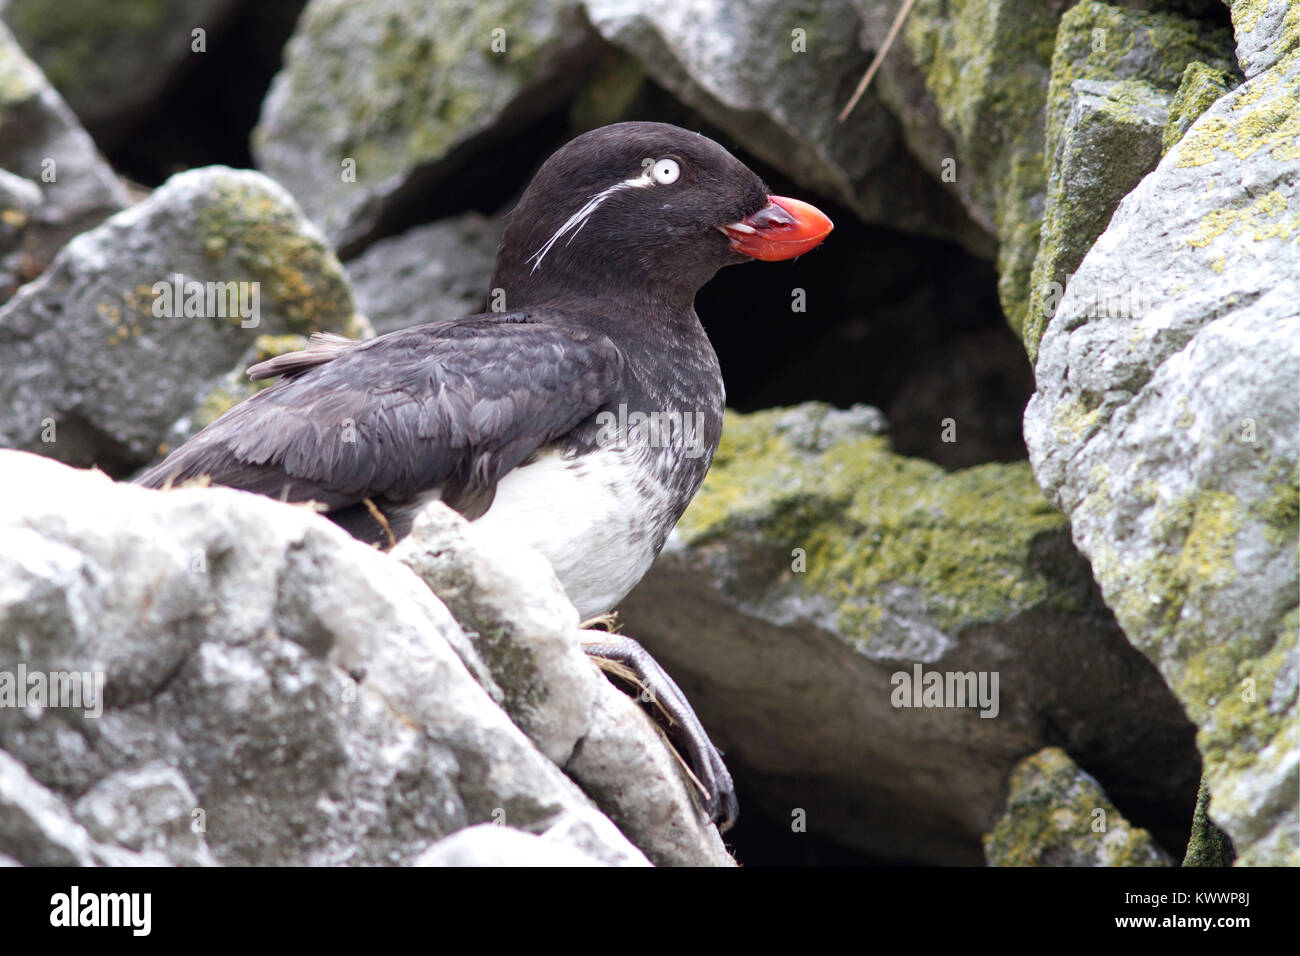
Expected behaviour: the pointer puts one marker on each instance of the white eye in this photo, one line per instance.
(666, 172)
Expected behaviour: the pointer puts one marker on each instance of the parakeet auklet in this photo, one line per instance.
(580, 422)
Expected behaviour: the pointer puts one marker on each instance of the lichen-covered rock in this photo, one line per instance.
(1165, 425)
(41, 141)
(968, 83)
(1115, 141)
(981, 83)
(986, 65)
(525, 650)
(1268, 31)
(1097, 41)
(137, 321)
(1109, 140)
(288, 691)
(82, 46)
(429, 274)
(1057, 815)
(374, 95)
(775, 75)
(816, 566)
(1198, 90)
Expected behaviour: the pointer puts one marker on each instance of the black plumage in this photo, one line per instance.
(453, 406)
(500, 415)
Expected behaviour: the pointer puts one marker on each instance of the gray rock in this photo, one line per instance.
(93, 375)
(518, 619)
(802, 588)
(301, 685)
(1057, 815)
(428, 274)
(524, 632)
(1165, 425)
(43, 142)
(147, 808)
(489, 845)
(775, 76)
(18, 197)
(1109, 140)
(1268, 31)
(83, 45)
(407, 91)
(37, 829)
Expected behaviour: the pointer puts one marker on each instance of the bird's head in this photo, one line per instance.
(644, 209)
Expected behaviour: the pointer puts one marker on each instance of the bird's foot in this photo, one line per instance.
(628, 660)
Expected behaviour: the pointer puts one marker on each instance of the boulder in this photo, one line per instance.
(1164, 425)
(139, 319)
(1268, 31)
(1057, 815)
(379, 99)
(981, 86)
(254, 686)
(42, 142)
(1108, 141)
(525, 651)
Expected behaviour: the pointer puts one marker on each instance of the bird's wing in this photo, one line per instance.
(453, 405)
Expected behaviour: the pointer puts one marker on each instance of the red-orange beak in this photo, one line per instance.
(782, 229)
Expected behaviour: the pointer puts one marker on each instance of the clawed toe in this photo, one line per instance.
(703, 761)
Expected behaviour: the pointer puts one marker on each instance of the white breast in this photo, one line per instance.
(593, 517)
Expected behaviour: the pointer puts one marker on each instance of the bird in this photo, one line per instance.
(578, 417)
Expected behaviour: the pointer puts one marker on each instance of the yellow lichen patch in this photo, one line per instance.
(1262, 220)
(1212, 225)
(1071, 422)
(1209, 546)
(1273, 125)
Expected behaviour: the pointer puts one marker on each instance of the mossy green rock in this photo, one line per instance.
(986, 63)
(999, 73)
(370, 94)
(1200, 86)
(1110, 140)
(104, 363)
(1057, 815)
(1141, 56)
(1208, 845)
(868, 521)
(816, 566)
